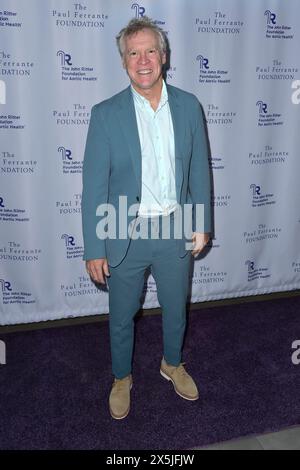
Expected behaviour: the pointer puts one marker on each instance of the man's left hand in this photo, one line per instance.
(199, 241)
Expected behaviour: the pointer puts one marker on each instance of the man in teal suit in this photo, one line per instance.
(146, 148)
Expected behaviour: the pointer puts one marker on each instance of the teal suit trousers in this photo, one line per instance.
(126, 282)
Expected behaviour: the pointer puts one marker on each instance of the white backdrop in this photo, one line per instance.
(58, 58)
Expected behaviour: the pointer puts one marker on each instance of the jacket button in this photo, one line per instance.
(137, 198)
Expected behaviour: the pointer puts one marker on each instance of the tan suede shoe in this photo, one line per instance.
(182, 381)
(119, 398)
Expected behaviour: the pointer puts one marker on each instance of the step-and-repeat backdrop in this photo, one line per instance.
(58, 58)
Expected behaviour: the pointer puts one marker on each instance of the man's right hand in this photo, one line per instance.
(97, 269)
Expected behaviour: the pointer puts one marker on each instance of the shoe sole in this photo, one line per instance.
(165, 376)
(124, 415)
(119, 417)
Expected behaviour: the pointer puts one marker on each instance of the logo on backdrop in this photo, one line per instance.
(218, 23)
(8, 214)
(268, 156)
(8, 19)
(72, 249)
(271, 17)
(2, 92)
(207, 74)
(267, 118)
(260, 199)
(255, 272)
(203, 62)
(140, 11)
(274, 29)
(275, 71)
(262, 232)
(5, 286)
(12, 296)
(73, 206)
(205, 275)
(215, 116)
(80, 287)
(10, 66)
(11, 165)
(69, 165)
(296, 94)
(74, 72)
(14, 251)
(65, 154)
(79, 17)
(77, 116)
(65, 59)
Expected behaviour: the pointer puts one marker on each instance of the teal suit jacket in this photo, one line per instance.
(112, 166)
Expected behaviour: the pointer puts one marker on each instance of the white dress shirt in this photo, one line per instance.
(158, 155)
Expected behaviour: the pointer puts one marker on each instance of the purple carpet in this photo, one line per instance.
(55, 385)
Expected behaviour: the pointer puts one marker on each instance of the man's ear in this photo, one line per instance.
(164, 58)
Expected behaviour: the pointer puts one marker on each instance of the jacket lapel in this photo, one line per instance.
(127, 117)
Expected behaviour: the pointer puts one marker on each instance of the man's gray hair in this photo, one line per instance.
(138, 24)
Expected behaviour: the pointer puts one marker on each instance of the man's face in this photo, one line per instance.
(143, 59)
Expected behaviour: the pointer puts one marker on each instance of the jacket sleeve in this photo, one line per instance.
(199, 175)
(95, 180)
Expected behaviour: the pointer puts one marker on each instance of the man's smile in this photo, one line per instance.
(144, 71)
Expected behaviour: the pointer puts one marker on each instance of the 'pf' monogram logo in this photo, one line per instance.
(65, 153)
(271, 17)
(139, 10)
(203, 62)
(64, 58)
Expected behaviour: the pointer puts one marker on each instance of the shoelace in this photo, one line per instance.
(119, 384)
(181, 370)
